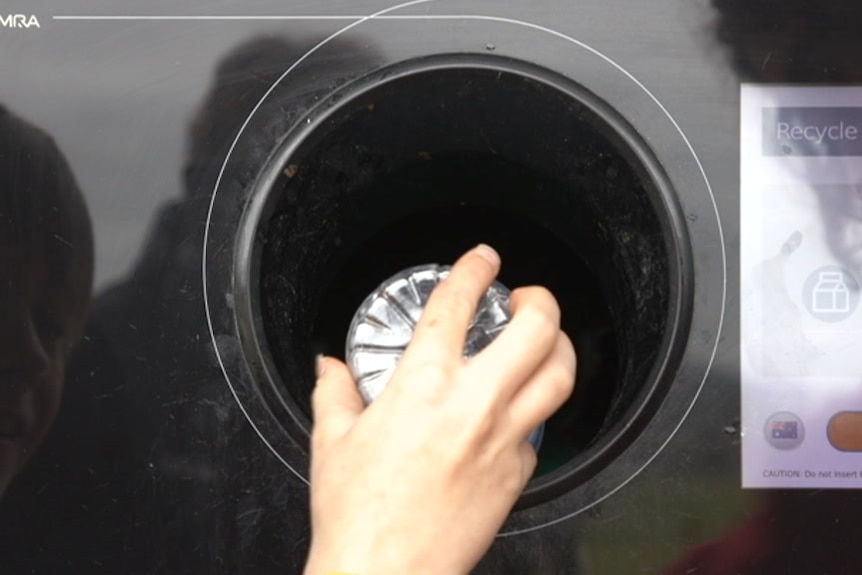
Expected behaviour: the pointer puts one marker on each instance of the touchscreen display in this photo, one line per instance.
(801, 268)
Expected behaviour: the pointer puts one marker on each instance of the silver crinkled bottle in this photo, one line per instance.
(383, 327)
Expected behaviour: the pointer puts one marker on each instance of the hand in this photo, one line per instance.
(421, 480)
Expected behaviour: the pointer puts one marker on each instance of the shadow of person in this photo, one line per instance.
(795, 530)
(46, 270)
(152, 466)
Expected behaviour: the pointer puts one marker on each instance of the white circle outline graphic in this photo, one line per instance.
(383, 15)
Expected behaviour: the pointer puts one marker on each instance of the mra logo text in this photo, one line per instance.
(19, 21)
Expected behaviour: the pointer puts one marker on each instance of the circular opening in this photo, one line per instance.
(418, 166)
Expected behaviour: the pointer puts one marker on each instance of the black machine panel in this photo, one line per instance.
(195, 198)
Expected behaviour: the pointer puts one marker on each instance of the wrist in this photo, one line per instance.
(344, 562)
(321, 562)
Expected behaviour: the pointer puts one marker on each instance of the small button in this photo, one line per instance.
(784, 430)
(845, 431)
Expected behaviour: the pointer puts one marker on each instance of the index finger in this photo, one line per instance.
(441, 331)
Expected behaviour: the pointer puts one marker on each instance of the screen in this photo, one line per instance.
(801, 268)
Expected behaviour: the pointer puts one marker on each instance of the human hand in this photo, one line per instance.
(421, 480)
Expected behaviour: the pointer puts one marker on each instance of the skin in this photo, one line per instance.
(40, 320)
(421, 481)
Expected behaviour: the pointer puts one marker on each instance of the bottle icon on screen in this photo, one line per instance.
(831, 294)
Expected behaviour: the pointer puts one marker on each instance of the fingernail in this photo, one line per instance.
(319, 365)
(488, 253)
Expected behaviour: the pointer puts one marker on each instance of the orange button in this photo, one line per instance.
(845, 431)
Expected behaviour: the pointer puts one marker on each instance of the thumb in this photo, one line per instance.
(336, 402)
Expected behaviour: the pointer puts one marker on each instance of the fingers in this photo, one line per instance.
(525, 343)
(336, 402)
(546, 390)
(440, 334)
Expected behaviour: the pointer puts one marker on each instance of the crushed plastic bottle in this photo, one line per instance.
(383, 326)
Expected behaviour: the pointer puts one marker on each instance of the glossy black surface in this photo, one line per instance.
(167, 456)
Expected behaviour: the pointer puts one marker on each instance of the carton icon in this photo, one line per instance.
(830, 294)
